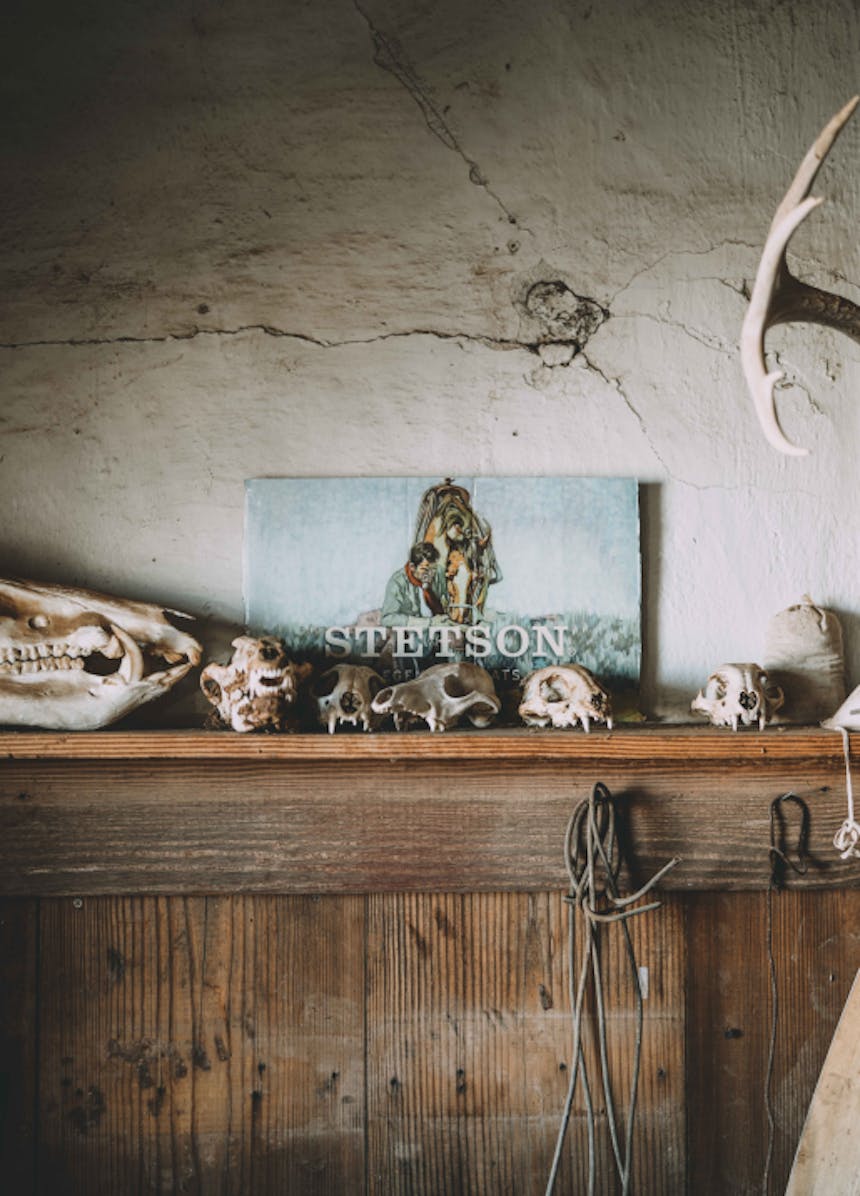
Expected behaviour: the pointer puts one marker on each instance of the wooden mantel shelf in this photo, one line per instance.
(214, 812)
(676, 743)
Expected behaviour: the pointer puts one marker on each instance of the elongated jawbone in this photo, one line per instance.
(77, 660)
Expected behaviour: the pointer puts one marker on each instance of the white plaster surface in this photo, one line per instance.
(267, 238)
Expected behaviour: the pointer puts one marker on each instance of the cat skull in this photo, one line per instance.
(344, 695)
(441, 696)
(738, 695)
(563, 695)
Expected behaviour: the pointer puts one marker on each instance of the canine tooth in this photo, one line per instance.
(131, 666)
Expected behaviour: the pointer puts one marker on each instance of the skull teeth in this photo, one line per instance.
(47, 664)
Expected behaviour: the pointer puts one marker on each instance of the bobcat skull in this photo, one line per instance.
(74, 660)
(441, 696)
(562, 696)
(738, 695)
(344, 695)
(257, 690)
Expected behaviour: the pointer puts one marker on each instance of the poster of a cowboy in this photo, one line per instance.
(512, 572)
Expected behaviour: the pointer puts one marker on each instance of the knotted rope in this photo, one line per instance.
(847, 837)
(593, 862)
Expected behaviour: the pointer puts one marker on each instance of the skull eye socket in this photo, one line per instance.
(549, 693)
(455, 688)
(37, 622)
(325, 685)
(269, 652)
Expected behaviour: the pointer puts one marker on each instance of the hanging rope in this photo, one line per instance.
(847, 837)
(593, 861)
(780, 860)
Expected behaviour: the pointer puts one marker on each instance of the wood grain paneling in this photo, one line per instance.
(816, 951)
(469, 1047)
(201, 1045)
(19, 950)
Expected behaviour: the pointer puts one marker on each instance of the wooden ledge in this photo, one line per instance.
(651, 742)
(214, 812)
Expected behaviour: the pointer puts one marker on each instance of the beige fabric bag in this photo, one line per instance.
(803, 654)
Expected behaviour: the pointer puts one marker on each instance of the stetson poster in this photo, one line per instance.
(399, 573)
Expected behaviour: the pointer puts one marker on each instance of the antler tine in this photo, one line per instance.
(778, 297)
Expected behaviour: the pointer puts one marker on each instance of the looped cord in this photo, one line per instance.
(593, 862)
(779, 858)
(848, 836)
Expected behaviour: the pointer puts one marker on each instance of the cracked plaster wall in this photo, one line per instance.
(386, 237)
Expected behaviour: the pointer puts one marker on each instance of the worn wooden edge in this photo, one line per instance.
(653, 742)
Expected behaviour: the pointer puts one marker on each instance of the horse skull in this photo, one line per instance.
(441, 696)
(75, 660)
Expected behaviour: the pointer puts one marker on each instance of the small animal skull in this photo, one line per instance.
(738, 695)
(344, 695)
(75, 660)
(257, 690)
(441, 696)
(563, 695)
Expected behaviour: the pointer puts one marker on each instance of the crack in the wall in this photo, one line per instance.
(741, 289)
(792, 380)
(536, 347)
(615, 383)
(695, 334)
(389, 56)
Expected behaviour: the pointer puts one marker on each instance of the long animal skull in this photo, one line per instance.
(441, 696)
(257, 690)
(562, 696)
(76, 660)
(344, 694)
(738, 695)
(780, 298)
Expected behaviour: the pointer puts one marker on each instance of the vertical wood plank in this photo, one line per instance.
(816, 947)
(469, 1040)
(727, 1026)
(18, 1043)
(202, 1045)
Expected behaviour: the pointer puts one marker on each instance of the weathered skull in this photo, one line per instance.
(344, 694)
(441, 695)
(74, 660)
(257, 690)
(738, 695)
(563, 695)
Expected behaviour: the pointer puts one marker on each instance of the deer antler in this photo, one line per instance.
(780, 298)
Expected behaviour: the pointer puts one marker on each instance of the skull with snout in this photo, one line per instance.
(257, 690)
(76, 660)
(562, 696)
(344, 695)
(441, 696)
(738, 695)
